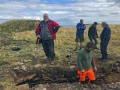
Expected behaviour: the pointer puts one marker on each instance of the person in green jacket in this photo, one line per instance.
(86, 64)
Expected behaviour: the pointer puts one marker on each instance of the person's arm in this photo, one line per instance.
(77, 26)
(107, 34)
(56, 27)
(38, 29)
(93, 64)
(83, 27)
(79, 58)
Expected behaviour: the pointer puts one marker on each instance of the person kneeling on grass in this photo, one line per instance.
(86, 64)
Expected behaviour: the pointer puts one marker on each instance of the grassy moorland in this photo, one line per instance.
(64, 44)
(32, 53)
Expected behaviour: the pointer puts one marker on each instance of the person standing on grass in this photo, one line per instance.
(80, 34)
(86, 64)
(46, 31)
(105, 38)
(92, 33)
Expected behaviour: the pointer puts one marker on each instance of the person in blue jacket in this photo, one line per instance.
(105, 38)
(80, 33)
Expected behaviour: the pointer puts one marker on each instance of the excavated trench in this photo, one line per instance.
(63, 77)
(104, 75)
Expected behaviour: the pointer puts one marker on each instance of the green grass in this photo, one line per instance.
(64, 44)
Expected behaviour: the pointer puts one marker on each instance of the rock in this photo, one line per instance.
(40, 87)
(23, 87)
(72, 66)
(118, 69)
(116, 64)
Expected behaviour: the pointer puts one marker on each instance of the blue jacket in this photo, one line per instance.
(80, 29)
(106, 34)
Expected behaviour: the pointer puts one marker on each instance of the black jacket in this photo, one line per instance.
(92, 32)
(106, 34)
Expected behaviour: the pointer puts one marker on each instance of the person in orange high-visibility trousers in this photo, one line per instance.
(86, 64)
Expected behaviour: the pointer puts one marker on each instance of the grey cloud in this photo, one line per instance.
(116, 1)
(115, 13)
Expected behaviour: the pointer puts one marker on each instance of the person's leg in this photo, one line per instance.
(91, 76)
(91, 39)
(82, 76)
(80, 45)
(76, 46)
(51, 49)
(81, 40)
(95, 41)
(76, 40)
(104, 49)
(44, 44)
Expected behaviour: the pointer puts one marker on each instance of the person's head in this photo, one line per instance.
(37, 22)
(90, 46)
(95, 23)
(81, 20)
(45, 17)
(104, 24)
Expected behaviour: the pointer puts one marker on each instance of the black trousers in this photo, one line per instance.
(95, 40)
(48, 46)
(103, 46)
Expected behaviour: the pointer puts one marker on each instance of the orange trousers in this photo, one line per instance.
(89, 73)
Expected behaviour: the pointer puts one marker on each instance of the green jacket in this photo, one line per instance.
(85, 60)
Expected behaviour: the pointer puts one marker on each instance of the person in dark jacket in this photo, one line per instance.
(105, 38)
(46, 31)
(80, 34)
(92, 34)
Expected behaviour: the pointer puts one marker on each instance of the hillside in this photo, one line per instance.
(17, 25)
(32, 55)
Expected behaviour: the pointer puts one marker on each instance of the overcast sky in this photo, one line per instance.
(65, 12)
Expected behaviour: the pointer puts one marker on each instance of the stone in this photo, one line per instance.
(23, 87)
(40, 87)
